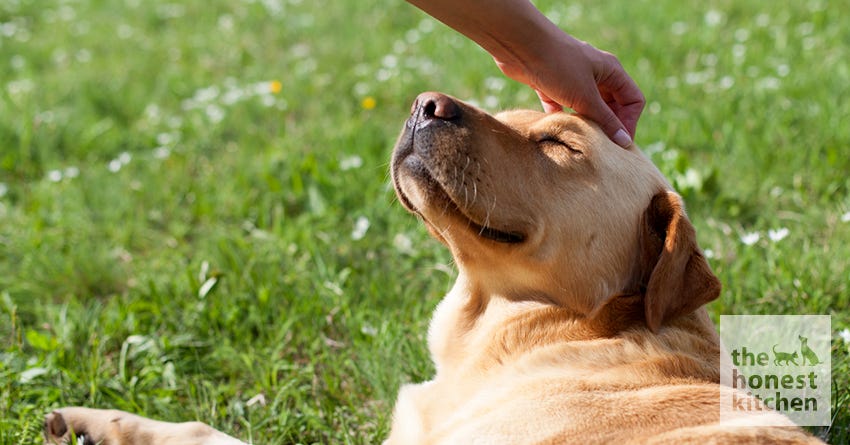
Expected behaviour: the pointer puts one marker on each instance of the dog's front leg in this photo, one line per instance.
(113, 427)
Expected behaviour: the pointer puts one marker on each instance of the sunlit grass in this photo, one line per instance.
(196, 223)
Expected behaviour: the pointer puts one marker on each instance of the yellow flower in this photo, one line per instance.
(368, 103)
(275, 86)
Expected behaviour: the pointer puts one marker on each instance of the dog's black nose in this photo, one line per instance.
(435, 106)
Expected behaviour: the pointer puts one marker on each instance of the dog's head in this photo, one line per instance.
(546, 207)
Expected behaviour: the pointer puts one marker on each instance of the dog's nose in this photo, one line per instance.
(435, 106)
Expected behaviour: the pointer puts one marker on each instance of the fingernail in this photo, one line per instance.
(622, 138)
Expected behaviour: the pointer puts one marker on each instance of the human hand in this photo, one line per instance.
(568, 72)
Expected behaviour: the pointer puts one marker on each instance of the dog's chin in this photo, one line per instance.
(429, 197)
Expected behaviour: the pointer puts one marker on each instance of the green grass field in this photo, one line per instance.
(196, 221)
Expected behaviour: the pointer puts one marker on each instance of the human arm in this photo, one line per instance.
(563, 71)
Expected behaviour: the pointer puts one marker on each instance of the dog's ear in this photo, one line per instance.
(677, 277)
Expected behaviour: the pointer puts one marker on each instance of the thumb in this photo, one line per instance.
(609, 122)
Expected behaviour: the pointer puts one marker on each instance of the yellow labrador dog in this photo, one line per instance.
(577, 312)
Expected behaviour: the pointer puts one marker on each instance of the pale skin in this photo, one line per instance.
(564, 71)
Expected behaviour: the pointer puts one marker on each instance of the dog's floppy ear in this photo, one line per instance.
(678, 278)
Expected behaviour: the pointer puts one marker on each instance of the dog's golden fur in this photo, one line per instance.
(577, 315)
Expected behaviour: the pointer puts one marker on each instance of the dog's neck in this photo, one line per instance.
(474, 331)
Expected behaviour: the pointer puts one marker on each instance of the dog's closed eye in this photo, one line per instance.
(554, 140)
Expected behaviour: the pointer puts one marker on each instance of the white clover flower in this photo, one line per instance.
(54, 176)
(114, 165)
(350, 163)
(777, 234)
(845, 217)
(403, 244)
(750, 238)
(71, 172)
(3, 189)
(360, 228)
(713, 17)
(161, 152)
(845, 335)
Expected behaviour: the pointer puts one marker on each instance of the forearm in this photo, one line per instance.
(512, 31)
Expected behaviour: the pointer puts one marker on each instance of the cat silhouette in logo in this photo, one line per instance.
(807, 352)
(784, 358)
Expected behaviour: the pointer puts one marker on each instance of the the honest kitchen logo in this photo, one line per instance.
(782, 360)
(793, 378)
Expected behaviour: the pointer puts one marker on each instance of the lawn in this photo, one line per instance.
(196, 221)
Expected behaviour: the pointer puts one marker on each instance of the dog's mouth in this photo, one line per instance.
(449, 205)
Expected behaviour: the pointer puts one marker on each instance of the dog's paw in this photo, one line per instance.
(81, 426)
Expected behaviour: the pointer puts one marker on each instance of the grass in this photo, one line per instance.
(196, 223)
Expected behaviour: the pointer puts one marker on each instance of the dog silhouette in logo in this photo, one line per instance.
(784, 358)
(806, 351)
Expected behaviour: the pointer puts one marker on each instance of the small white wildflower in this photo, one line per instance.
(360, 228)
(777, 234)
(845, 217)
(726, 82)
(350, 162)
(768, 83)
(403, 243)
(124, 158)
(845, 335)
(3, 189)
(124, 31)
(708, 253)
(679, 28)
(214, 113)
(114, 165)
(206, 94)
(369, 330)
(495, 83)
(742, 34)
(750, 238)
(165, 138)
(83, 56)
(161, 152)
(18, 62)
(713, 17)
(54, 176)
(71, 172)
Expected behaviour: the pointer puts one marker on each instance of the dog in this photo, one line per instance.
(577, 313)
(808, 354)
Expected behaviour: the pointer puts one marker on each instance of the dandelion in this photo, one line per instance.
(275, 86)
(360, 228)
(750, 238)
(778, 234)
(368, 103)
